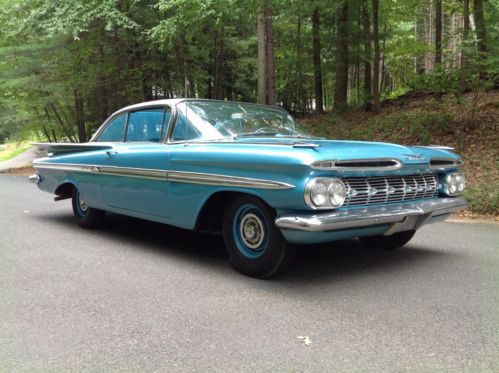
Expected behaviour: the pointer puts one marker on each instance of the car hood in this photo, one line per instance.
(357, 150)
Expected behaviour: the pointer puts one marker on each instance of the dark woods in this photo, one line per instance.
(66, 65)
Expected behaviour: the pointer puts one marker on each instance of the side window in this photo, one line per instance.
(114, 131)
(145, 125)
(184, 129)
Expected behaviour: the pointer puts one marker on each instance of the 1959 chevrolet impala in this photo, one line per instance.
(251, 173)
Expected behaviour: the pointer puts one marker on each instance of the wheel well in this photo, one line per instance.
(210, 217)
(64, 191)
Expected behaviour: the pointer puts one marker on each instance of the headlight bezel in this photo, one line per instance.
(328, 182)
(453, 184)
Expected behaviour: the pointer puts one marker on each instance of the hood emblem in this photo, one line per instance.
(414, 157)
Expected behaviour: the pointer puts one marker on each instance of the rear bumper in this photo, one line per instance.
(398, 217)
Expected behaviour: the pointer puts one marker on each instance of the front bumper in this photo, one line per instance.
(397, 217)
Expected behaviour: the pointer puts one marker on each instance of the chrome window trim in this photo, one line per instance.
(163, 107)
(398, 164)
(167, 175)
(127, 110)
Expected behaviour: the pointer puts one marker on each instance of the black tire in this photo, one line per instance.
(87, 217)
(256, 247)
(392, 242)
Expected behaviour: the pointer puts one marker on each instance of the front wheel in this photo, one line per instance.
(392, 242)
(87, 216)
(255, 245)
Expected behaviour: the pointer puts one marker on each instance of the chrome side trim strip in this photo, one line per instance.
(355, 218)
(451, 163)
(305, 145)
(66, 167)
(143, 173)
(437, 147)
(234, 181)
(342, 165)
(174, 176)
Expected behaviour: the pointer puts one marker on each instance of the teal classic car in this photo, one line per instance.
(251, 173)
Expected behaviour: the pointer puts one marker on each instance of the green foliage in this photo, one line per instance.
(483, 199)
(113, 53)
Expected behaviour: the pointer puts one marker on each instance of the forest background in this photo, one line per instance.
(407, 71)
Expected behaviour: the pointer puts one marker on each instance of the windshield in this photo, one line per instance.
(218, 120)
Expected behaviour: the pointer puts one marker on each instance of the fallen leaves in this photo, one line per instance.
(305, 339)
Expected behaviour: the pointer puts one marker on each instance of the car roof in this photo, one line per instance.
(141, 105)
(175, 101)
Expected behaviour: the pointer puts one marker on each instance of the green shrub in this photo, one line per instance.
(483, 199)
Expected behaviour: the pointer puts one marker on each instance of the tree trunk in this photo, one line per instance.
(80, 115)
(299, 69)
(481, 33)
(269, 46)
(367, 56)
(64, 129)
(463, 72)
(376, 55)
(438, 32)
(316, 43)
(219, 67)
(420, 31)
(102, 89)
(46, 133)
(262, 60)
(341, 84)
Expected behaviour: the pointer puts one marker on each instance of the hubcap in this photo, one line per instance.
(82, 204)
(252, 231)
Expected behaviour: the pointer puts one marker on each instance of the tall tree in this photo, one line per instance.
(376, 77)
(316, 46)
(269, 47)
(262, 59)
(299, 65)
(463, 78)
(481, 33)
(438, 32)
(341, 76)
(366, 25)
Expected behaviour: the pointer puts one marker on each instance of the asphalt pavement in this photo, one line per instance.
(139, 296)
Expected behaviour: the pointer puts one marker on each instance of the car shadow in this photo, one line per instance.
(314, 263)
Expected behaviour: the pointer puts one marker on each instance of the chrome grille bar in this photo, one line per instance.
(385, 189)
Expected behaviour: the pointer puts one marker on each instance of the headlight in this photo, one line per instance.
(325, 193)
(453, 184)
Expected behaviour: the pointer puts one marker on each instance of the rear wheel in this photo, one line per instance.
(392, 242)
(255, 245)
(86, 216)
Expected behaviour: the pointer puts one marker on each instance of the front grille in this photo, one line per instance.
(383, 189)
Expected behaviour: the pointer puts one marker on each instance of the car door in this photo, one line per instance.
(134, 172)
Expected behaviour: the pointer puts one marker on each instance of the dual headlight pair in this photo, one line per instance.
(453, 184)
(326, 192)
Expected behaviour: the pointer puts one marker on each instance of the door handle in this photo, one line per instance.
(110, 153)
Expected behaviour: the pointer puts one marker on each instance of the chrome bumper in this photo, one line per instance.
(35, 178)
(403, 216)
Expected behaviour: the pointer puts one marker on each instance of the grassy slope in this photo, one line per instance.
(423, 120)
(11, 150)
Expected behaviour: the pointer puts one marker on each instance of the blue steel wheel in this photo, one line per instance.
(250, 231)
(86, 216)
(255, 245)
